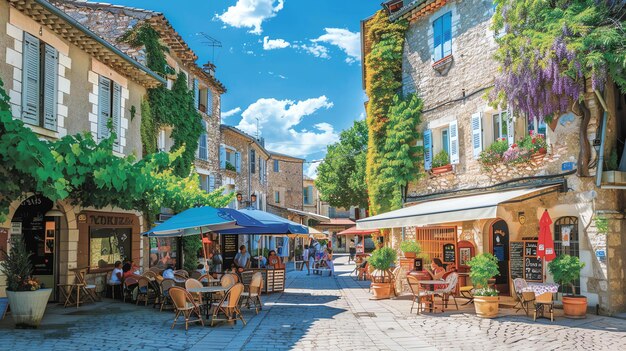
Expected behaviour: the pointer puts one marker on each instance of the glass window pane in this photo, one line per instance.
(107, 245)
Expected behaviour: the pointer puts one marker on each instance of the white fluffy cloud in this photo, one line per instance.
(279, 121)
(251, 13)
(348, 42)
(232, 112)
(316, 50)
(271, 44)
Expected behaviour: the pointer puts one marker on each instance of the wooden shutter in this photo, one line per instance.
(196, 93)
(209, 102)
(477, 133)
(447, 33)
(211, 183)
(428, 149)
(510, 127)
(30, 79)
(202, 143)
(454, 142)
(222, 157)
(116, 111)
(104, 107)
(50, 83)
(238, 162)
(252, 161)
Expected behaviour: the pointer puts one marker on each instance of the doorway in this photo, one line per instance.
(500, 249)
(40, 234)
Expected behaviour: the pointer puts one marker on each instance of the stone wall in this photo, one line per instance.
(287, 181)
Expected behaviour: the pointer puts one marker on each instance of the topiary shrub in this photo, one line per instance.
(565, 269)
(482, 268)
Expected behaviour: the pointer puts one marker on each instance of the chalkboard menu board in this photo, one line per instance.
(516, 252)
(530, 248)
(229, 249)
(418, 265)
(449, 253)
(533, 269)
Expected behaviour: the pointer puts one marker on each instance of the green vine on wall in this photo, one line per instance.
(167, 107)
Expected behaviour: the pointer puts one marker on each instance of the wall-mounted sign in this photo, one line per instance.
(16, 228)
(566, 234)
(567, 166)
(521, 217)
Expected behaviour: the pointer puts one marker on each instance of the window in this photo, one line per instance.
(567, 228)
(252, 161)
(277, 197)
(230, 159)
(308, 195)
(540, 129)
(107, 245)
(276, 166)
(39, 83)
(209, 102)
(109, 110)
(161, 141)
(438, 140)
(262, 167)
(445, 141)
(163, 252)
(442, 36)
(202, 144)
(500, 125)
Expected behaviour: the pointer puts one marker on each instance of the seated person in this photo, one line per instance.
(200, 269)
(262, 261)
(273, 260)
(117, 276)
(437, 271)
(168, 273)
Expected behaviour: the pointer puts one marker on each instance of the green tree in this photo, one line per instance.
(341, 175)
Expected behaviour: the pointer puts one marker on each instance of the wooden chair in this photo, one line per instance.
(207, 279)
(185, 305)
(452, 281)
(182, 273)
(129, 284)
(524, 298)
(421, 296)
(180, 277)
(89, 290)
(150, 275)
(165, 298)
(254, 292)
(196, 275)
(229, 305)
(192, 283)
(143, 290)
(113, 286)
(542, 302)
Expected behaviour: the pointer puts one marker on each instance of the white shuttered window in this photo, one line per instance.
(39, 83)
(109, 109)
(454, 142)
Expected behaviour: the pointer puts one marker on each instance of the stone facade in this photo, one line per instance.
(285, 181)
(453, 91)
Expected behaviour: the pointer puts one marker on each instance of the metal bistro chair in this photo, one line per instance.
(229, 306)
(129, 284)
(166, 285)
(192, 283)
(196, 275)
(450, 290)
(185, 304)
(524, 298)
(254, 292)
(542, 302)
(143, 290)
(421, 296)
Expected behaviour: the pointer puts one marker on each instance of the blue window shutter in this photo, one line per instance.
(238, 162)
(209, 102)
(202, 143)
(252, 161)
(447, 33)
(276, 166)
(196, 93)
(211, 183)
(30, 80)
(222, 157)
(104, 107)
(428, 149)
(116, 114)
(50, 78)
(438, 39)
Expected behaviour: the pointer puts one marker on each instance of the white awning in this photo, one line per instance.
(315, 216)
(466, 208)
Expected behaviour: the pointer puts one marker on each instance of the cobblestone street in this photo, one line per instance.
(314, 313)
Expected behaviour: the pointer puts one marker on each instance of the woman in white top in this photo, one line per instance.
(117, 274)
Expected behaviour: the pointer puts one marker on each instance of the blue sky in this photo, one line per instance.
(292, 64)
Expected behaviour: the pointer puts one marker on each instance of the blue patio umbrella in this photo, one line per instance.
(193, 221)
(272, 224)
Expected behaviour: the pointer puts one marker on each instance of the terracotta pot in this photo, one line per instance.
(538, 156)
(442, 169)
(575, 306)
(409, 255)
(27, 307)
(486, 306)
(382, 290)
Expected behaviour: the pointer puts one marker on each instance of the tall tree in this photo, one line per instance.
(341, 175)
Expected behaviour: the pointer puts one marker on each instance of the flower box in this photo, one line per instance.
(441, 170)
(539, 155)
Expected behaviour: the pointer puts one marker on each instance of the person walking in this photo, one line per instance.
(352, 250)
(305, 259)
(328, 257)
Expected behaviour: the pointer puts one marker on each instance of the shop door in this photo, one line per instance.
(40, 235)
(500, 249)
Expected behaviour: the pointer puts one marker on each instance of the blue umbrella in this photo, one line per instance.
(194, 221)
(273, 224)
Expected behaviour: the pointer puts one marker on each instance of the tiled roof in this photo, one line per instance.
(416, 9)
(339, 222)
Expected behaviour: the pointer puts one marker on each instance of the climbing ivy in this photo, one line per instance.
(167, 107)
(392, 159)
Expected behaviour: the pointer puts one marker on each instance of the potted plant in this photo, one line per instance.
(26, 297)
(382, 260)
(565, 269)
(536, 145)
(410, 248)
(441, 163)
(482, 268)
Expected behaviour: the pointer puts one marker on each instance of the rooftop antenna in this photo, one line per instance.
(211, 42)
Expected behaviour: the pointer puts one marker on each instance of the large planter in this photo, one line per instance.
(486, 306)
(442, 169)
(409, 255)
(382, 290)
(575, 306)
(27, 307)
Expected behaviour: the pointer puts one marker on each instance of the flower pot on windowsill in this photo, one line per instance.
(442, 169)
(539, 155)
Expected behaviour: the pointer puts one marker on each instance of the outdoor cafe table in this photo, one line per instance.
(432, 284)
(208, 290)
(543, 291)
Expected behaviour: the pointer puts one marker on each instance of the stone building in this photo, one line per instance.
(464, 207)
(243, 165)
(285, 181)
(62, 79)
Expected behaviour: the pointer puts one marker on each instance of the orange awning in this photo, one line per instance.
(354, 231)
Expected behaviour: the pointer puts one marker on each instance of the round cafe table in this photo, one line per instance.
(432, 284)
(208, 291)
(542, 288)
